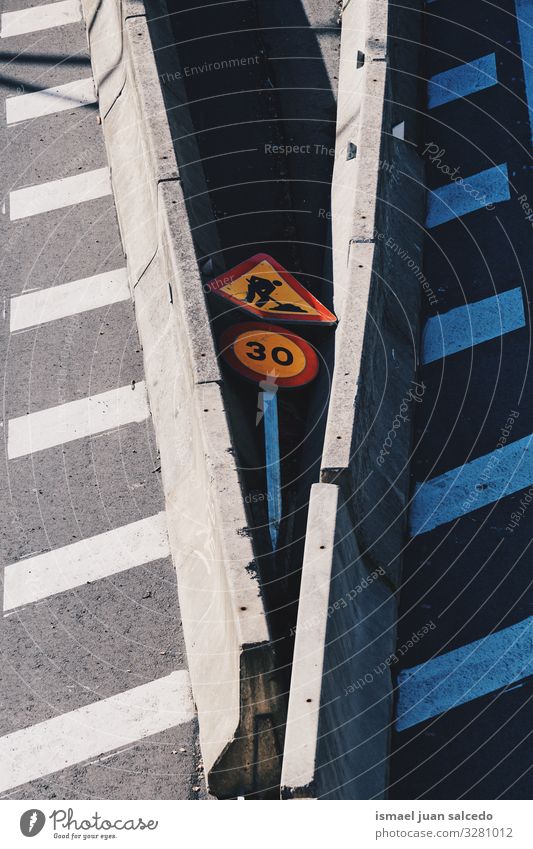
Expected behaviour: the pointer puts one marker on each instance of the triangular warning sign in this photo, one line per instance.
(261, 286)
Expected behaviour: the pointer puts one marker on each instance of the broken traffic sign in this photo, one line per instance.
(264, 288)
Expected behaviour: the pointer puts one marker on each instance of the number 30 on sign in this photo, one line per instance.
(261, 351)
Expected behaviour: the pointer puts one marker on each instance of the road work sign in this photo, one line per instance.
(264, 352)
(263, 287)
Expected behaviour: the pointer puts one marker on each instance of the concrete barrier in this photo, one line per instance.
(341, 697)
(230, 655)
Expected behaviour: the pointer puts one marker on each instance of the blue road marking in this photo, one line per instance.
(472, 324)
(462, 80)
(467, 194)
(482, 481)
(467, 673)
(524, 19)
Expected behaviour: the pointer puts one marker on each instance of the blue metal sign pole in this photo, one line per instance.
(273, 466)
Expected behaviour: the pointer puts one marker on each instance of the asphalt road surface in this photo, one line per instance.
(96, 700)
(464, 709)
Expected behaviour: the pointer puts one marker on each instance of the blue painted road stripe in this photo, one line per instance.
(462, 80)
(472, 324)
(473, 485)
(467, 195)
(524, 18)
(459, 676)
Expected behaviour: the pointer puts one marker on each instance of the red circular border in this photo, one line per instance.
(308, 373)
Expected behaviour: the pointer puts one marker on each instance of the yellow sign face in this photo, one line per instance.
(269, 354)
(263, 352)
(265, 289)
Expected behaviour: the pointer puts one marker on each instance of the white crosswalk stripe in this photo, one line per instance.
(35, 104)
(36, 18)
(89, 559)
(68, 191)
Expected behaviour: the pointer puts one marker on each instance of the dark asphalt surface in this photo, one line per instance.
(472, 576)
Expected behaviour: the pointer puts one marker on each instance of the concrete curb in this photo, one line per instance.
(358, 512)
(231, 659)
(336, 737)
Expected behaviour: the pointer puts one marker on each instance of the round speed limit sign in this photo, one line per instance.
(261, 351)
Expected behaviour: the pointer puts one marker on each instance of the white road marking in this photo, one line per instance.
(472, 324)
(99, 727)
(43, 305)
(40, 17)
(76, 419)
(90, 559)
(467, 673)
(482, 481)
(524, 20)
(57, 194)
(35, 104)
(398, 131)
(112, 755)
